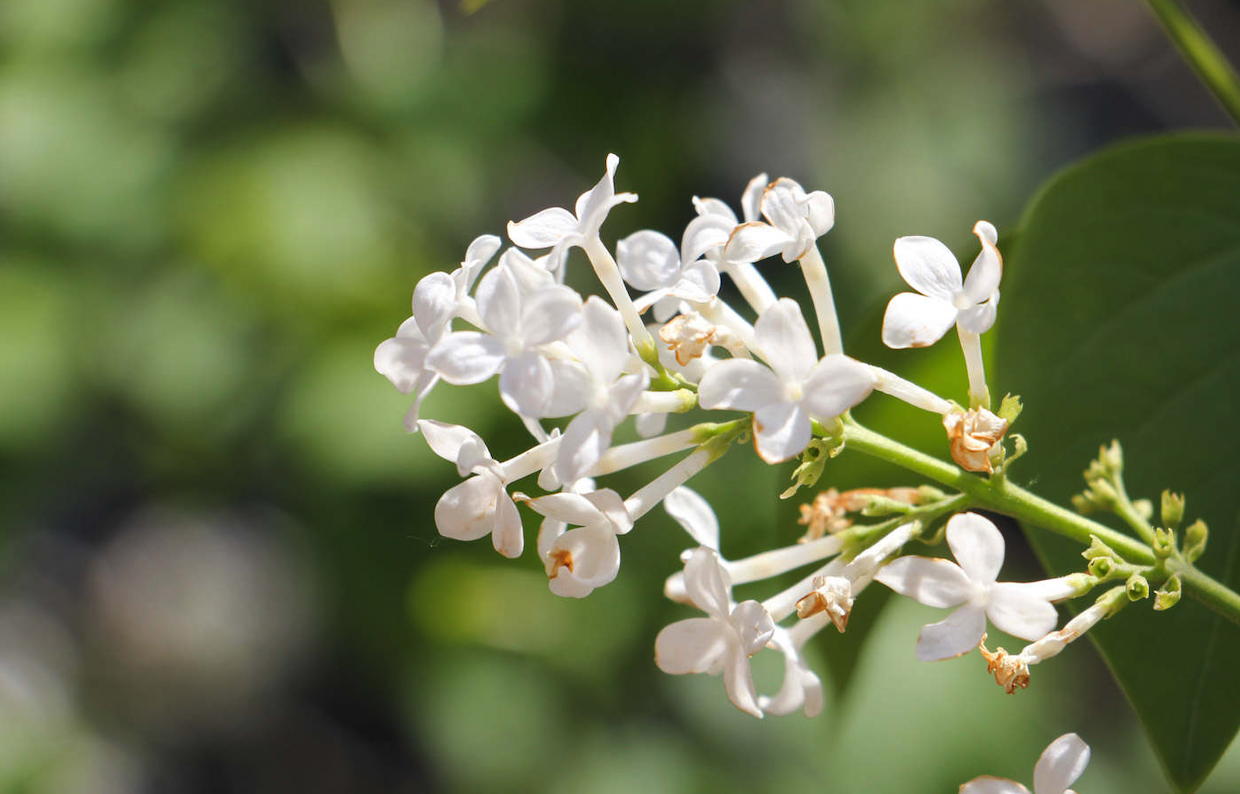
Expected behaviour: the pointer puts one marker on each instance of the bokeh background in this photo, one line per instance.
(218, 566)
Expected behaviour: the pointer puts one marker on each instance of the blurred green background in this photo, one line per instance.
(220, 570)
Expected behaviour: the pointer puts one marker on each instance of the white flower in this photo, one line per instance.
(588, 557)
(1059, 767)
(561, 229)
(650, 262)
(480, 505)
(919, 320)
(601, 345)
(518, 326)
(797, 387)
(802, 217)
(1023, 610)
(723, 641)
(801, 689)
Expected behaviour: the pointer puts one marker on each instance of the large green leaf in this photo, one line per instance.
(1121, 319)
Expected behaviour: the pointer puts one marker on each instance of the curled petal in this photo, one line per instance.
(480, 251)
(914, 320)
(987, 269)
(1060, 765)
(992, 785)
(713, 206)
(571, 508)
(648, 260)
(1018, 610)
(699, 282)
(585, 440)
(739, 384)
(780, 431)
(696, 645)
(707, 583)
(738, 681)
(927, 580)
(467, 511)
(751, 199)
(704, 233)
(801, 688)
(977, 544)
(754, 241)
(582, 560)
(434, 302)
(401, 361)
(753, 625)
(958, 634)
(694, 514)
(979, 319)
(928, 267)
(543, 229)
(507, 536)
(450, 441)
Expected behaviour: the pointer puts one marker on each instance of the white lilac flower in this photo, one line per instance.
(480, 505)
(608, 395)
(796, 388)
(1059, 767)
(650, 262)
(517, 327)
(802, 217)
(1021, 609)
(579, 560)
(480, 251)
(802, 688)
(559, 229)
(723, 641)
(919, 319)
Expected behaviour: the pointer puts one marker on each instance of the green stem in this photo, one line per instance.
(1126, 510)
(1000, 495)
(1201, 53)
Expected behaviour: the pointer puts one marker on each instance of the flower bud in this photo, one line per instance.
(1164, 543)
(1098, 549)
(1172, 508)
(1101, 567)
(1169, 594)
(1195, 540)
(1144, 508)
(1112, 458)
(974, 436)
(1137, 587)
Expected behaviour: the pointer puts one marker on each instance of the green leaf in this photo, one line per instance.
(1119, 320)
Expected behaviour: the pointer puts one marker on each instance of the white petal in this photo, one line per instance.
(648, 260)
(499, 302)
(592, 207)
(738, 681)
(611, 506)
(713, 206)
(571, 508)
(402, 362)
(548, 532)
(753, 625)
(526, 384)
(694, 514)
(783, 206)
(596, 561)
(958, 634)
(467, 511)
(785, 341)
(600, 341)
(1060, 765)
(820, 212)
(739, 384)
(550, 314)
(980, 319)
(992, 785)
(463, 358)
(699, 282)
(930, 581)
(928, 266)
(780, 431)
(837, 384)
(755, 241)
(571, 384)
(530, 276)
(650, 425)
(480, 251)
(987, 269)
(914, 320)
(751, 199)
(801, 688)
(447, 441)
(707, 583)
(543, 229)
(434, 302)
(695, 645)
(977, 544)
(1017, 609)
(704, 233)
(585, 440)
(507, 536)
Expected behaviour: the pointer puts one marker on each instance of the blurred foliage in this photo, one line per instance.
(211, 211)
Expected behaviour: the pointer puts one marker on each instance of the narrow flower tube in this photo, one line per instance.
(902, 389)
(638, 452)
(815, 272)
(647, 497)
(971, 344)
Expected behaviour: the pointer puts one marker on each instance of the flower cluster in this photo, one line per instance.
(574, 368)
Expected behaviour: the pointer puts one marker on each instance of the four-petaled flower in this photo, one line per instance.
(1059, 766)
(920, 320)
(795, 389)
(587, 557)
(1023, 610)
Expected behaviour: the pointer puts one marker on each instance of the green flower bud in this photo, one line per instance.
(1172, 508)
(928, 493)
(1112, 458)
(1195, 540)
(1144, 508)
(1168, 595)
(1101, 567)
(1137, 587)
(1097, 549)
(1164, 543)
